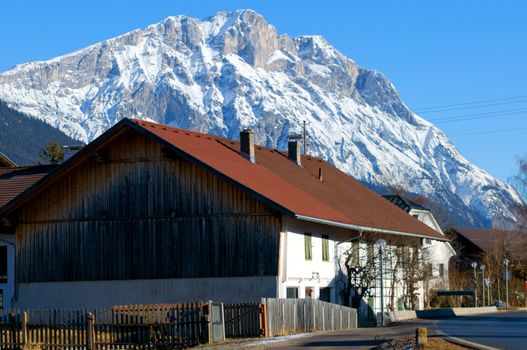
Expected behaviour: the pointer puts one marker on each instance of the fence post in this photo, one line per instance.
(90, 332)
(264, 320)
(24, 328)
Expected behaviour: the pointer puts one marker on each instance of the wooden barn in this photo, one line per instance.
(149, 213)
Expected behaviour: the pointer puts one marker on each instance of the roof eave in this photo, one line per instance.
(5, 160)
(365, 228)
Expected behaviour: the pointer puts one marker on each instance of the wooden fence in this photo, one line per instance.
(173, 326)
(131, 327)
(244, 320)
(288, 316)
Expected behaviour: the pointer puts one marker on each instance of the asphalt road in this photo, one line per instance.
(506, 330)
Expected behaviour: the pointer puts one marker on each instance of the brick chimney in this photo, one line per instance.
(247, 144)
(293, 149)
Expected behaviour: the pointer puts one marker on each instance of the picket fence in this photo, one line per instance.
(172, 326)
(288, 316)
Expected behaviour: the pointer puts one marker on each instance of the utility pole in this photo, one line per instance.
(304, 137)
(474, 265)
(482, 267)
(381, 243)
(506, 263)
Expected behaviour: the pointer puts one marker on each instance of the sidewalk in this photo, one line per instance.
(358, 339)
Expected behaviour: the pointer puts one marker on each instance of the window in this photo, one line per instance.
(309, 293)
(371, 309)
(308, 246)
(325, 248)
(441, 270)
(371, 252)
(325, 294)
(3, 264)
(429, 270)
(292, 293)
(355, 254)
(406, 255)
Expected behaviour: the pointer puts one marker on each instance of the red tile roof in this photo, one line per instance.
(14, 181)
(339, 198)
(486, 238)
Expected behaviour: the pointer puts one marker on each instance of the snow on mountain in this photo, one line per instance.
(234, 70)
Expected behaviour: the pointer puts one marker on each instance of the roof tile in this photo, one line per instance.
(338, 197)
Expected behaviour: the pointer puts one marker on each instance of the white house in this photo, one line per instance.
(437, 253)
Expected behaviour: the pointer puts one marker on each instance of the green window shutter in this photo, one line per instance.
(325, 248)
(307, 246)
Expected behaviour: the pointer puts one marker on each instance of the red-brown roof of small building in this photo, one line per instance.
(338, 198)
(14, 181)
(485, 239)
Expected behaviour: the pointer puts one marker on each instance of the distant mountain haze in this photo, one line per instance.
(233, 70)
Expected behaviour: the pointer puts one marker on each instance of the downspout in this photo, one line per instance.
(337, 258)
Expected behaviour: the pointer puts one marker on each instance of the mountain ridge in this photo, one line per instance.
(233, 70)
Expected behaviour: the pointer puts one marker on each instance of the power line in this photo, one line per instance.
(473, 107)
(464, 117)
(489, 132)
(422, 109)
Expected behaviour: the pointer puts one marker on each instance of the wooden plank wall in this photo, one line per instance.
(132, 212)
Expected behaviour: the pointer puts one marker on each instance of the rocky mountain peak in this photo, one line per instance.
(234, 70)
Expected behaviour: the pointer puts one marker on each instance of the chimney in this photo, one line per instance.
(293, 149)
(247, 144)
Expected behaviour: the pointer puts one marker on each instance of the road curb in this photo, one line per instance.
(469, 343)
(463, 341)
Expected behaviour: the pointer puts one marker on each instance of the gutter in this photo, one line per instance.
(364, 228)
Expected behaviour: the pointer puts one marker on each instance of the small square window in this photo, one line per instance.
(292, 293)
(310, 292)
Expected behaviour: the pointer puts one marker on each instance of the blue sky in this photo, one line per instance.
(436, 53)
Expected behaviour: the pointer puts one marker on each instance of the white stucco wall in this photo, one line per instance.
(297, 272)
(92, 294)
(438, 252)
(8, 288)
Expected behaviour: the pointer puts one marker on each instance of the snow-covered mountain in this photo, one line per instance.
(234, 70)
